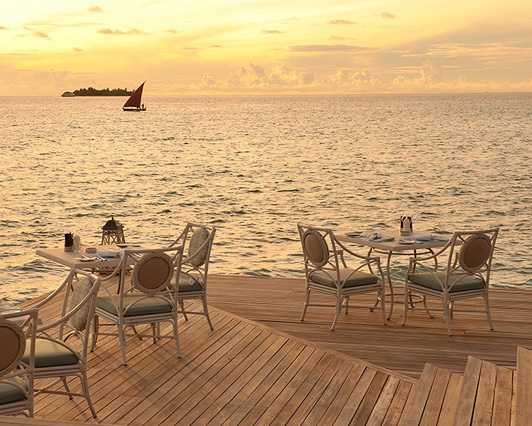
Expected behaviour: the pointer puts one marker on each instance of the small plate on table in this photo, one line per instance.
(353, 234)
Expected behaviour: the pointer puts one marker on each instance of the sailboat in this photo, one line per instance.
(134, 101)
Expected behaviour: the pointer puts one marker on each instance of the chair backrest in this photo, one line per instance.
(471, 252)
(13, 345)
(84, 292)
(320, 251)
(197, 240)
(79, 291)
(153, 272)
(152, 269)
(17, 331)
(315, 247)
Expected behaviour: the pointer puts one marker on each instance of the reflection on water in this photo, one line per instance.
(254, 167)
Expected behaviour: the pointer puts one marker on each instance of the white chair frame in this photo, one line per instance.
(61, 330)
(132, 293)
(469, 257)
(21, 324)
(195, 269)
(330, 260)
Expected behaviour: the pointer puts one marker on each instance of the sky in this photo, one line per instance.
(241, 47)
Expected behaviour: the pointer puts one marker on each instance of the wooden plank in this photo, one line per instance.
(417, 406)
(468, 394)
(369, 401)
(398, 403)
(431, 413)
(502, 401)
(383, 404)
(346, 403)
(450, 401)
(483, 410)
(523, 405)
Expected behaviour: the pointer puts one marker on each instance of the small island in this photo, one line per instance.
(91, 91)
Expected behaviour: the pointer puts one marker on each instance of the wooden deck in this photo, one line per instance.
(262, 365)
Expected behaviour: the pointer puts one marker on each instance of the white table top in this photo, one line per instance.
(392, 241)
(78, 260)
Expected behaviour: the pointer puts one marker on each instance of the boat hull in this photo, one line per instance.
(134, 108)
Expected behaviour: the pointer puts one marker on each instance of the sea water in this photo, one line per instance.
(256, 166)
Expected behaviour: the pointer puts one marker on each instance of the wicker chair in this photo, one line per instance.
(198, 240)
(17, 335)
(61, 346)
(147, 295)
(326, 270)
(466, 273)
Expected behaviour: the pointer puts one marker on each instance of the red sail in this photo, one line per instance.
(135, 99)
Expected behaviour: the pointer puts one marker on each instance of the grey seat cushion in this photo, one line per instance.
(430, 280)
(50, 354)
(355, 280)
(10, 393)
(144, 306)
(188, 283)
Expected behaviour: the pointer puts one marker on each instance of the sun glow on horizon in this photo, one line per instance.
(226, 47)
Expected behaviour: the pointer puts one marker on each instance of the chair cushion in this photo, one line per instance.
(82, 288)
(355, 280)
(9, 393)
(188, 283)
(145, 305)
(430, 280)
(50, 354)
(199, 236)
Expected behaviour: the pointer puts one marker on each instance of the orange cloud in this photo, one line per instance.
(132, 31)
(342, 22)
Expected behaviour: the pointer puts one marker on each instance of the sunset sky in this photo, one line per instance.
(272, 47)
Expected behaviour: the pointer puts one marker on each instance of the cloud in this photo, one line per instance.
(326, 48)
(171, 31)
(255, 77)
(272, 32)
(387, 15)
(3, 28)
(77, 49)
(95, 9)
(109, 31)
(32, 33)
(341, 22)
(495, 53)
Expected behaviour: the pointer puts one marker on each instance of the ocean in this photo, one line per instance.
(256, 166)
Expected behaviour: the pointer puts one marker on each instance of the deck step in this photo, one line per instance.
(435, 398)
(486, 395)
(523, 404)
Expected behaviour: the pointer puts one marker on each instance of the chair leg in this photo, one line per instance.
(182, 305)
(86, 393)
(307, 299)
(447, 315)
(337, 312)
(95, 328)
(154, 328)
(427, 308)
(405, 308)
(383, 309)
(487, 304)
(178, 346)
(122, 341)
(65, 385)
(206, 312)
